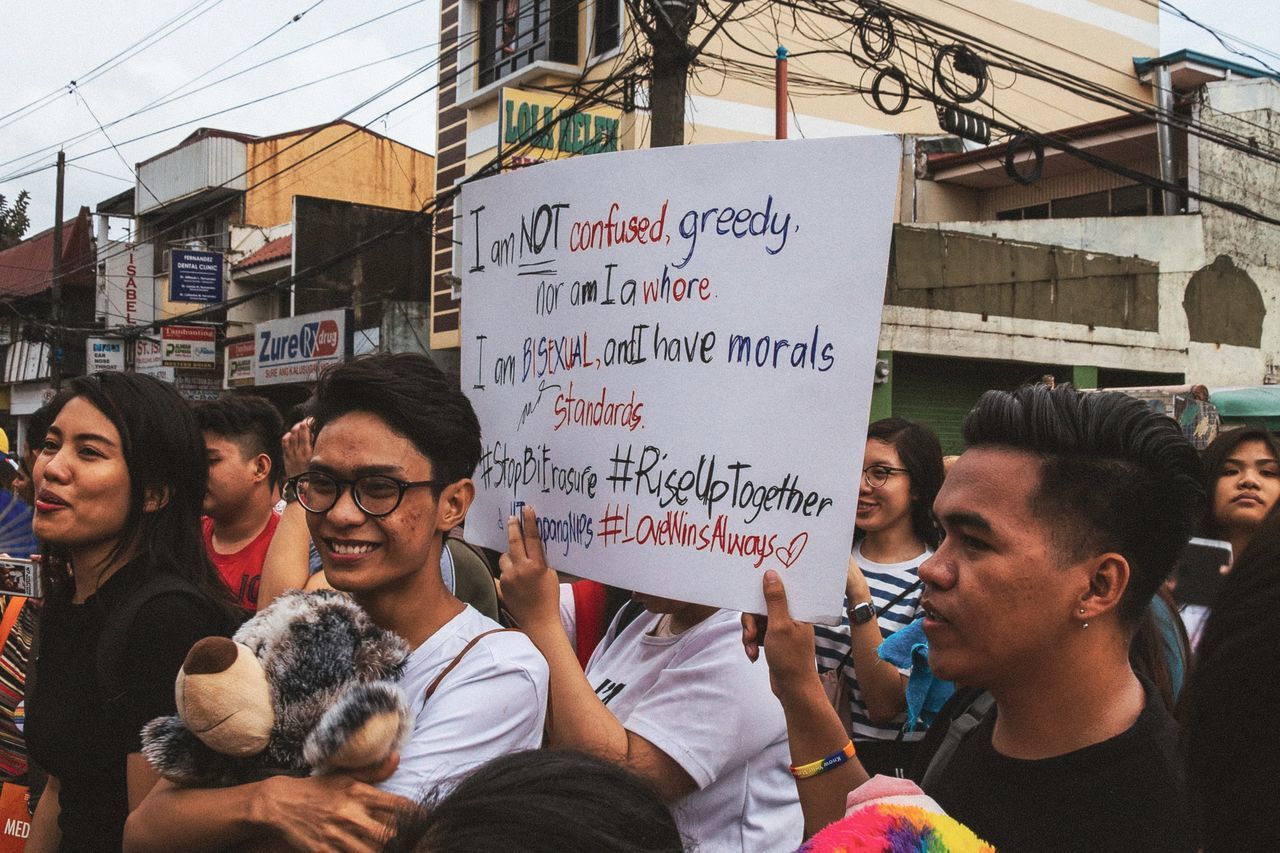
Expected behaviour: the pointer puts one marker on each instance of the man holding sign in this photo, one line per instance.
(670, 697)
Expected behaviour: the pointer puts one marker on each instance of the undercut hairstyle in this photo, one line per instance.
(1114, 477)
(414, 398)
(921, 454)
(542, 801)
(1232, 689)
(250, 422)
(1214, 461)
(164, 453)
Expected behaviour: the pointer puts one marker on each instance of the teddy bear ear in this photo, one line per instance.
(379, 653)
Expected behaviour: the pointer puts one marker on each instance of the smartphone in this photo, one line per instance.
(20, 577)
(1199, 573)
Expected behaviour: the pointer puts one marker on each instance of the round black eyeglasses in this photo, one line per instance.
(877, 475)
(375, 494)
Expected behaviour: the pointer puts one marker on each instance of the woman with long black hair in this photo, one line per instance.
(901, 474)
(128, 590)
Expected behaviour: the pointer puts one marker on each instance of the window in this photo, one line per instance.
(516, 33)
(1035, 211)
(1131, 201)
(1134, 200)
(608, 26)
(1089, 204)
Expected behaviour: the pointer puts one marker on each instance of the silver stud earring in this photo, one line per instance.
(1086, 624)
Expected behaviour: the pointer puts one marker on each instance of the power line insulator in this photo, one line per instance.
(1011, 169)
(964, 124)
(877, 94)
(875, 34)
(962, 61)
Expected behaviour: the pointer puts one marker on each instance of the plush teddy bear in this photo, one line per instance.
(306, 686)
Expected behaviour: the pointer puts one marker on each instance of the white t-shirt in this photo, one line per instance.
(697, 698)
(492, 703)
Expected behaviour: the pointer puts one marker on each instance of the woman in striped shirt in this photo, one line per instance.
(902, 472)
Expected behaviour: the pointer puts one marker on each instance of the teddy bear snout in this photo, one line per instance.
(210, 656)
(224, 699)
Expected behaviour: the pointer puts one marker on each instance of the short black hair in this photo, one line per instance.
(251, 422)
(1114, 476)
(921, 454)
(542, 801)
(415, 398)
(1231, 761)
(1214, 460)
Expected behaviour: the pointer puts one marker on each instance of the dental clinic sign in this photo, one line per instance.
(195, 276)
(297, 349)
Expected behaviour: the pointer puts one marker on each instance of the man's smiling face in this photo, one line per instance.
(362, 554)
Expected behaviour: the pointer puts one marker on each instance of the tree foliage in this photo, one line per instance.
(13, 219)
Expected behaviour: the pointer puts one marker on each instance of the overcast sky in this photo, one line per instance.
(47, 45)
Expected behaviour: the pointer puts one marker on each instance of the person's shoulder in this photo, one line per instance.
(718, 634)
(184, 613)
(502, 649)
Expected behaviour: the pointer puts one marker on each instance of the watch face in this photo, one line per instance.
(862, 613)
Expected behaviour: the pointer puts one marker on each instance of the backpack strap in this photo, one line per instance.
(115, 629)
(960, 727)
(431, 688)
(11, 613)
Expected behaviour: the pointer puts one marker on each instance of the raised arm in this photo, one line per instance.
(883, 687)
(286, 563)
(814, 730)
(576, 717)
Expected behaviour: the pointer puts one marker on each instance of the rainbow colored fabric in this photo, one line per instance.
(887, 828)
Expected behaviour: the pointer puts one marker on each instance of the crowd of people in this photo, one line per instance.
(1013, 671)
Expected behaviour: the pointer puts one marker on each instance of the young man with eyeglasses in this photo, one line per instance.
(395, 445)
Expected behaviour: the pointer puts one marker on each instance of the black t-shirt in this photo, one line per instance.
(73, 732)
(1123, 794)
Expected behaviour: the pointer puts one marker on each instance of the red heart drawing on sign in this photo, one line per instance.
(791, 553)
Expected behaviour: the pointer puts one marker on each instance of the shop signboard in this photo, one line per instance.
(195, 276)
(189, 346)
(296, 349)
(104, 354)
(238, 358)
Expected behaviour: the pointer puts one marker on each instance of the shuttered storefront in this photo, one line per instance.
(940, 391)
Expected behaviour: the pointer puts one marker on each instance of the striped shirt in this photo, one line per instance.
(886, 581)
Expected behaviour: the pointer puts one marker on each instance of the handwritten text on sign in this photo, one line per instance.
(671, 355)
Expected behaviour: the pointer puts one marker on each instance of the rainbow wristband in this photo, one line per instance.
(822, 765)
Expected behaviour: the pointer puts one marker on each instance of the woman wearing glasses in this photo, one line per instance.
(901, 475)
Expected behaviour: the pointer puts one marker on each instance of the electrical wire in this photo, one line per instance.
(71, 141)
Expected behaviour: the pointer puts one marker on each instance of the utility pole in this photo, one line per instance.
(672, 56)
(55, 308)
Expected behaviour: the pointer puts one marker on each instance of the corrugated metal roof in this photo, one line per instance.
(281, 247)
(27, 268)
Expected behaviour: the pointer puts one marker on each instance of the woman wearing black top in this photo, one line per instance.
(119, 483)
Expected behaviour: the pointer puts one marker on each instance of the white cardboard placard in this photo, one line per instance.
(671, 354)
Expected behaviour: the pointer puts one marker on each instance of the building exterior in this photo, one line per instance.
(1080, 275)
(564, 46)
(1086, 274)
(224, 215)
(26, 286)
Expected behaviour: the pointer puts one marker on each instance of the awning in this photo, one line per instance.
(1259, 405)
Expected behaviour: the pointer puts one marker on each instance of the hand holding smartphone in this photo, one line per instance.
(20, 577)
(1199, 573)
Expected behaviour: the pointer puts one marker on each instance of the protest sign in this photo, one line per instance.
(671, 354)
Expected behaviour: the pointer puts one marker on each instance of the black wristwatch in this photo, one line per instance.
(861, 614)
